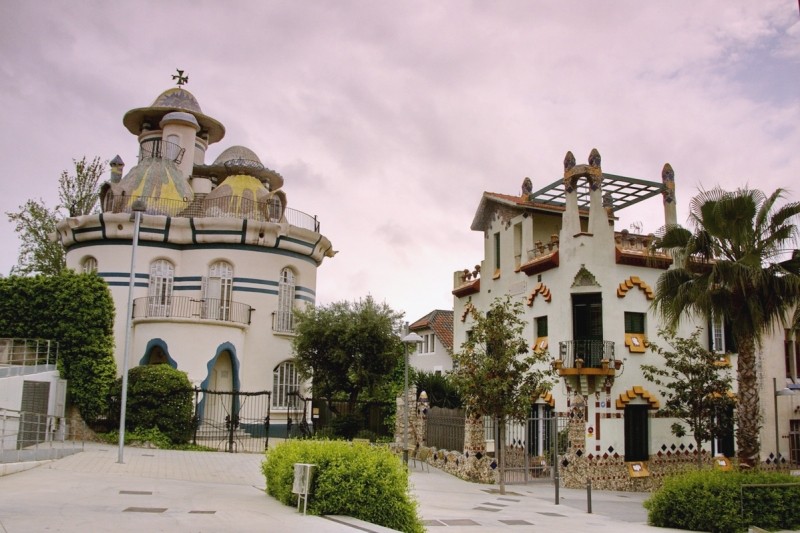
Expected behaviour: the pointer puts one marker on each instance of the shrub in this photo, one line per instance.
(159, 396)
(365, 482)
(347, 425)
(715, 501)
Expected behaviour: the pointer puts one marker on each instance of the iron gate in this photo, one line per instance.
(532, 448)
(232, 421)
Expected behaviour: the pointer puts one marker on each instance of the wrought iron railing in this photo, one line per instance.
(283, 322)
(161, 149)
(25, 356)
(187, 307)
(585, 353)
(226, 207)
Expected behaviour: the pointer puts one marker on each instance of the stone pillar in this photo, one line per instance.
(474, 440)
(668, 192)
(598, 216)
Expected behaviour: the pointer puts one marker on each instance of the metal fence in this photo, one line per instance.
(27, 436)
(232, 421)
(27, 356)
(188, 307)
(445, 428)
(531, 446)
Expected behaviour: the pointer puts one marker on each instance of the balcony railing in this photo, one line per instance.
(226, 207)
(187, 307)
(161, 149)
(283, 322)
(585, 353)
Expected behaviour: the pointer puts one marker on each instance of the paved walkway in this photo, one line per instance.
(163, 490)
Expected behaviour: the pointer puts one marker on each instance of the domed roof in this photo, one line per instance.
(239, 195)
(241, 160)
(174, 99)
(160, 183)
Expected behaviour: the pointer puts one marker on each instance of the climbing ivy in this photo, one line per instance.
(77, 311)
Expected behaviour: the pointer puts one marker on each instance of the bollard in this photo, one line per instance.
(589, 496)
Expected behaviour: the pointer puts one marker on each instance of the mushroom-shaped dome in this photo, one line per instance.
(241, 160)
(238, 196)
(159, 183)
(174, 99)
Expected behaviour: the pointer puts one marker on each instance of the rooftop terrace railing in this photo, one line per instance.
(224, 207)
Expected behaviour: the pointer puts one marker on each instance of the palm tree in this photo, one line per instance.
(736, 265)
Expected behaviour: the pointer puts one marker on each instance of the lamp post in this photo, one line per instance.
(411, 338)
(775, 393)
(137, 208)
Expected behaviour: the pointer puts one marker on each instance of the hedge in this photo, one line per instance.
(712, 500)
(364, 482)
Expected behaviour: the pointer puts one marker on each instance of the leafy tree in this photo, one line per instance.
(348, 349)
(495, 371)
(35, 223)
(159, 396)
(697, 388)
(733, 266)
(77, 311)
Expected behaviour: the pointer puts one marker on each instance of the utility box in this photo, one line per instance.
(301, 485)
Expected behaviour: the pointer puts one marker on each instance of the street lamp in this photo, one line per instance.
(775, 393)
(137, 208)
(411, 338)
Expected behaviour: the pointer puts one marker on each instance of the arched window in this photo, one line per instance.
(89, 265)
(217, 291)
(159, 294)
(284, 320)
(275, 209)
(285, 381)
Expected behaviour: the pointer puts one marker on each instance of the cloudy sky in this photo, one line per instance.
(388, 120)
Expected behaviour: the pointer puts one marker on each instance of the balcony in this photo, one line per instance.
(160, 149)
(194, 308)
(283, 322)
(590, 357)
(226, 207)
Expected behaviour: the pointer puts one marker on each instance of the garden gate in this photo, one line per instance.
(232, 421)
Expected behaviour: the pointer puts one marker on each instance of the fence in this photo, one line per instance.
(27, 356)
(27, 436)
(445, 428)
(232, 421)
(532, 447)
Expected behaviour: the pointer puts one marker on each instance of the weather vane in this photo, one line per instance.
(182, 80)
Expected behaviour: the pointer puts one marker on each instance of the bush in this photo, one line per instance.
(714, 501)
(159, 396)
(365, 482)
(347, 425)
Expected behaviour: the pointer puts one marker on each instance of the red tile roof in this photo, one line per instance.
(441, 322)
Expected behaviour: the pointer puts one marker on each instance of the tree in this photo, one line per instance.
(697, 388)
(440, 389)
(733, 267)
(348, 349)
(496, 372)
(35, 223)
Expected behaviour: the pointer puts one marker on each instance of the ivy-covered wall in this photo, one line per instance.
(77, 311)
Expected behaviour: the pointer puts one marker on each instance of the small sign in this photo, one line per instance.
(638, 469)
(722, 463)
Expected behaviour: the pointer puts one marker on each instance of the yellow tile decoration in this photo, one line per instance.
(632, 282)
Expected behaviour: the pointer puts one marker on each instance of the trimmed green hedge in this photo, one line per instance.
(365, 482)
(712, 500)
(77, 311)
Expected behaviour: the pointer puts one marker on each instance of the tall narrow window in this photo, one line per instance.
(497, 254)
(217, 292)
(634, 332)
(275, 209)
(284, 320)
(517, 244)
(717, 335)
(159, 298)
(89, 265)
(541, 344)
(637, 434)
(285, 382)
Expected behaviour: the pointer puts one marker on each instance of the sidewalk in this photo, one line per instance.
(164, 490)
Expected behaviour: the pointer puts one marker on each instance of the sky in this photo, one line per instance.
(388, 120)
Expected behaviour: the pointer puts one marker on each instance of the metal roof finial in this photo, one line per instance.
(181, 79)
